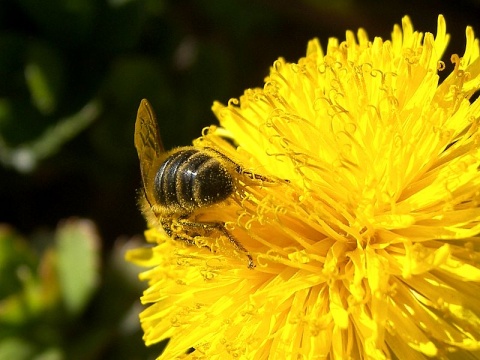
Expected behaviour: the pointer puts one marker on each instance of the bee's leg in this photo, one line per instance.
(167, 227)
(235, 242)
(239, 169)
(219, 226)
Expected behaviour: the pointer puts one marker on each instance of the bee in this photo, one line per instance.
(178, 183)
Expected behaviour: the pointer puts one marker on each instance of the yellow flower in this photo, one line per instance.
(365, 235)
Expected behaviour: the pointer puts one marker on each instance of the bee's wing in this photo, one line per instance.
(149, 146)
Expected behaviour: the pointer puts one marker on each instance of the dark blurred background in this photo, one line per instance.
(72, 74)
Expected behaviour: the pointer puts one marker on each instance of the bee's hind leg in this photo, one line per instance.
(167, 226)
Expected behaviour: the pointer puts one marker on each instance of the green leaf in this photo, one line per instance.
(14, 348)
(78, 262)
(50, 354)
(44, 75)
(14, 256)
(25, 157)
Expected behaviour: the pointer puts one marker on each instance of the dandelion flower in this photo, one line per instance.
(365, 241)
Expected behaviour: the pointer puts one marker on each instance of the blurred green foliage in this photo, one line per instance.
(72, 74)
(51, 303)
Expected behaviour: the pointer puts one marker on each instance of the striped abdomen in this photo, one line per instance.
(189, 179)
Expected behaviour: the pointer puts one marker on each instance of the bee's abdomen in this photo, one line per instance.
(189, 179)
